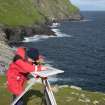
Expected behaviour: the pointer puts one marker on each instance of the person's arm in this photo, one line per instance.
(25, 66)
(41, 68)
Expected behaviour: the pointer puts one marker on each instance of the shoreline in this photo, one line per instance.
(17, 34)
(16, 39)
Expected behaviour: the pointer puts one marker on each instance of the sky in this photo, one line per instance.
(92, 5)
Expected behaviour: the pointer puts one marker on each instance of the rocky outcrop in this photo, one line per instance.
(14, 35)
(3, 36)
(56, 10)
(6, 55)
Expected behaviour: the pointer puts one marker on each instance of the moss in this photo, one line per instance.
(79, 97)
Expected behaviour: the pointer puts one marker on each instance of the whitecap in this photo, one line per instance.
(54, 25)
(36, 38)
(85, 20)
(59, 33)
(41, 37)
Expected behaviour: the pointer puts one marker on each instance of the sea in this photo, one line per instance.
(78, 49)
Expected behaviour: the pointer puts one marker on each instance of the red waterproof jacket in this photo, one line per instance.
(17, 73)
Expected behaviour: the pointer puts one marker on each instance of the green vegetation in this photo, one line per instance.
(57, 9)
(71, 8)
(69, 96)
(29, 12)
(18, 12)
(64, 96)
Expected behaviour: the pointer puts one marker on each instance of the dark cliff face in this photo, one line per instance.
(16, 34)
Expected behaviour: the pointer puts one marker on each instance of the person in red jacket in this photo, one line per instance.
(23, 63)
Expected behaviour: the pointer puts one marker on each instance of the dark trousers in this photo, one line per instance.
(20, 102)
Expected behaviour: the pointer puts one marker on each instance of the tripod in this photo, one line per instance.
(48, 98)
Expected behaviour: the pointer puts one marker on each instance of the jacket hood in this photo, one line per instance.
(21, 51)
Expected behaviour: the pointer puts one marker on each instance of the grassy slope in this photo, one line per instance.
(27, 12)
(56, 8)
(65, 96)
(71, 8)
(18, 12)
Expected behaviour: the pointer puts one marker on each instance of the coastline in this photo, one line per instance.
(6, 45)
(32, 18)
(10, 37)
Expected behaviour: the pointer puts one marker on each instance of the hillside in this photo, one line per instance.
(29, 12)
(18, 12)
(57, 9)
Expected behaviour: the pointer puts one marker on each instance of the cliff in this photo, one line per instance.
(19, 18)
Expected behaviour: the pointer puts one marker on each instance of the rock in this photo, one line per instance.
(2, 68)
(2, 37)
(41, 29)
(95, 102)
(6, 55)
(74, 93)
(16, 35)
(63, 86)
(75, 17)
(75, 87)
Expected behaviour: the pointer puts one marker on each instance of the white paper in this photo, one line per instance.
(46, 73)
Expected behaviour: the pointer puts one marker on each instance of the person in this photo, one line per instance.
(23, 63)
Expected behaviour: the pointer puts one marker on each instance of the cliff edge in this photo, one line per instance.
(19, 18)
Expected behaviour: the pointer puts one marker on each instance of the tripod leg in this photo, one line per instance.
(50, 99)
(43, 102)
(20, 101)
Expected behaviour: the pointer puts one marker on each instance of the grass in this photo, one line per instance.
(70, 7)
(69, 96)
(18, 12)
(29, 12)
(57, 8)
(64, 96)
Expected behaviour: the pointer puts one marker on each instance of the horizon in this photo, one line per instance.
(88, 5)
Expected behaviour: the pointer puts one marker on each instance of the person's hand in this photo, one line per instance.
(41, 68)
(36, 77)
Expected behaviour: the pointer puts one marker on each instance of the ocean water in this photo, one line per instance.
(79, 50)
